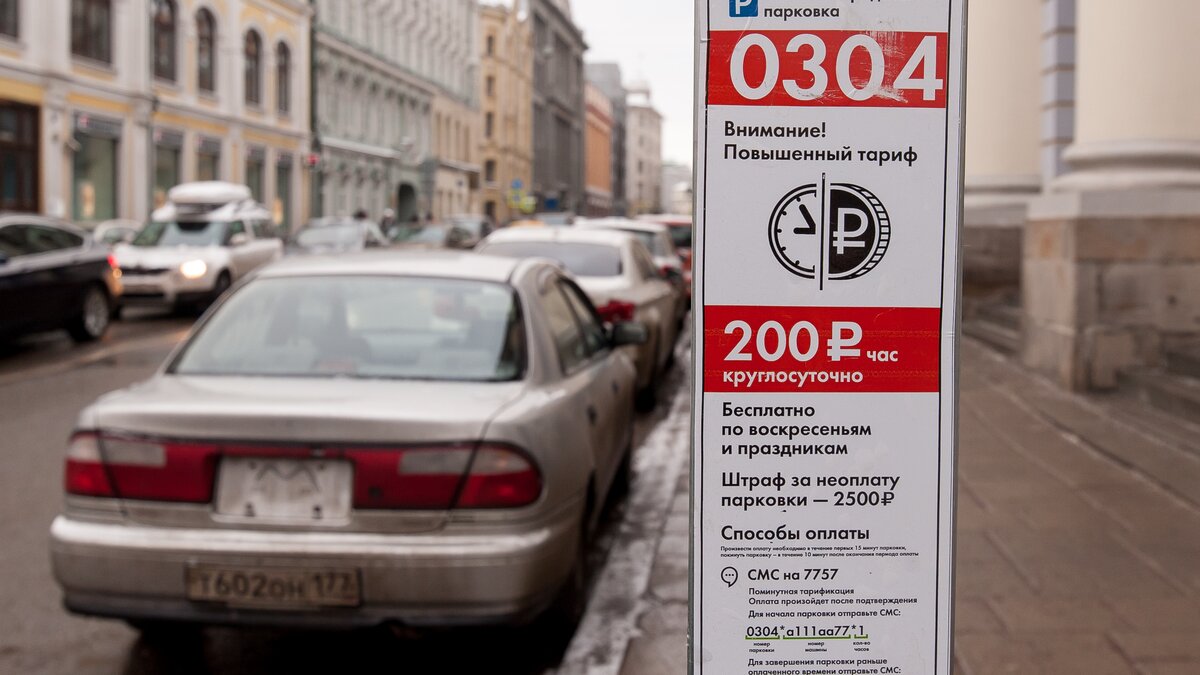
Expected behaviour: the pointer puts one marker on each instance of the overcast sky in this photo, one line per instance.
(653, 41)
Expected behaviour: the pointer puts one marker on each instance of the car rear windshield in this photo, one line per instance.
(362, 327)
(651, 240)
(582, 260)
(342, 236)
(198, 233)
(681, 236)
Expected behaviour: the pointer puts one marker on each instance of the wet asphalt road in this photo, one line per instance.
(44, 382)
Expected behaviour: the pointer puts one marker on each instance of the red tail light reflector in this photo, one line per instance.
(616, 311)
(412, 478)
(85, 473)
(500, 478)
(140, 469)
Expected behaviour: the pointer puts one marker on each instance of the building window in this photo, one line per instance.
(252, 57)
(489, 124)
(208, 159)
(167, 164)
(95, 177)
(283, 193)
(10, 18)
(164, 39)
(491, 45)
(206, 51)
(91, 29)
(489, 171)
(20, 140)
(283, 78)
(255, 161)
(490, 85)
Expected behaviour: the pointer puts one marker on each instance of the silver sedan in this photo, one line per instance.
(386, 438)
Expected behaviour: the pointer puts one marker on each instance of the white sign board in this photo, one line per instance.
(829, 170)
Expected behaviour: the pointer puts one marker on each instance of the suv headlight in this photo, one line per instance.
(193, 269)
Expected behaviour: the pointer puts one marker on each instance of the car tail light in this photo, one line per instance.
(112, 261)
(616, 311)
(500, 478)
(412, 478)
(85, 473)
(490, 477)
(130, 468)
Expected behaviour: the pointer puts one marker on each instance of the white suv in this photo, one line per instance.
(206, 237)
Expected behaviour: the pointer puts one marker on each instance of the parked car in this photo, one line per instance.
(657, 239)
(680, 227)
(478, 227)
(555, 218)
(116, 231)
(425, 439)
(432, 236)
(619, 276)
(337, 235)
(53, 276)
(204, 239)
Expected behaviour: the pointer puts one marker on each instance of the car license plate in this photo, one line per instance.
(310, 491)
(274, 587)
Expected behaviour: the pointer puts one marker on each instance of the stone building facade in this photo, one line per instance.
(558, 110)
(506, 104)
(107, 104)
(598, 131)
(643, 152)
(376, 65)
(454, 172)
(607, 77)
(1085, 159)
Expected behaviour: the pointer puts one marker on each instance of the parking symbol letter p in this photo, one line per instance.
(743, 8)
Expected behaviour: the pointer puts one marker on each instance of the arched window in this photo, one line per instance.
(164, 39)
(91, 29)
(252, 56)
(283, 78)
(206, 51)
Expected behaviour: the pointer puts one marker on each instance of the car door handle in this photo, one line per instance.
(591, 413)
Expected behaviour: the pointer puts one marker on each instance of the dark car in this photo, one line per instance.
(52, 276)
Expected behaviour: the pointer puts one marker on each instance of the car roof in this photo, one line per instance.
(447, 265)
(560, 234)
(624, 224)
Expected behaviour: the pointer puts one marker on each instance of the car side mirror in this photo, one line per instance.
(629, 333)
(239, 239)
(670, 274)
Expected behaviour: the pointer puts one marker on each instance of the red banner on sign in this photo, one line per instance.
(821, 349)
(828, 69)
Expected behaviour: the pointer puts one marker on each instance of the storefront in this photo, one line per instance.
(168, 154)
(95, 164)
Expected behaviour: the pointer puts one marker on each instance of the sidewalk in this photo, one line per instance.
(1078, 537)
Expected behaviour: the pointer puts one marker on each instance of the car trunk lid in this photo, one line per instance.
(275, 453)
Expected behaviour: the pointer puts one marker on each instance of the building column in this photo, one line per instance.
(1111, 271)
(1002, 139)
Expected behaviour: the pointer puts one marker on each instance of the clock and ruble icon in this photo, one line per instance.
(830, 231)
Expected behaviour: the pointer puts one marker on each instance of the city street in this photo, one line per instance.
(44, 382)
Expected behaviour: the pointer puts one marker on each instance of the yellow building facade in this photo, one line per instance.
(506, 111)
(115, 110)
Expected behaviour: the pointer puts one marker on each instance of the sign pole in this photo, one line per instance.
(829, 143)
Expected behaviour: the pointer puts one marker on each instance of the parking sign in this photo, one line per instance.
(829, 164)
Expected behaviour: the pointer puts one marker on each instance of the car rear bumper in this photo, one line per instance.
(165, 289)
(427, 580)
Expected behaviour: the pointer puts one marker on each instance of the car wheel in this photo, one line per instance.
(224, 281)
(94, 316)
